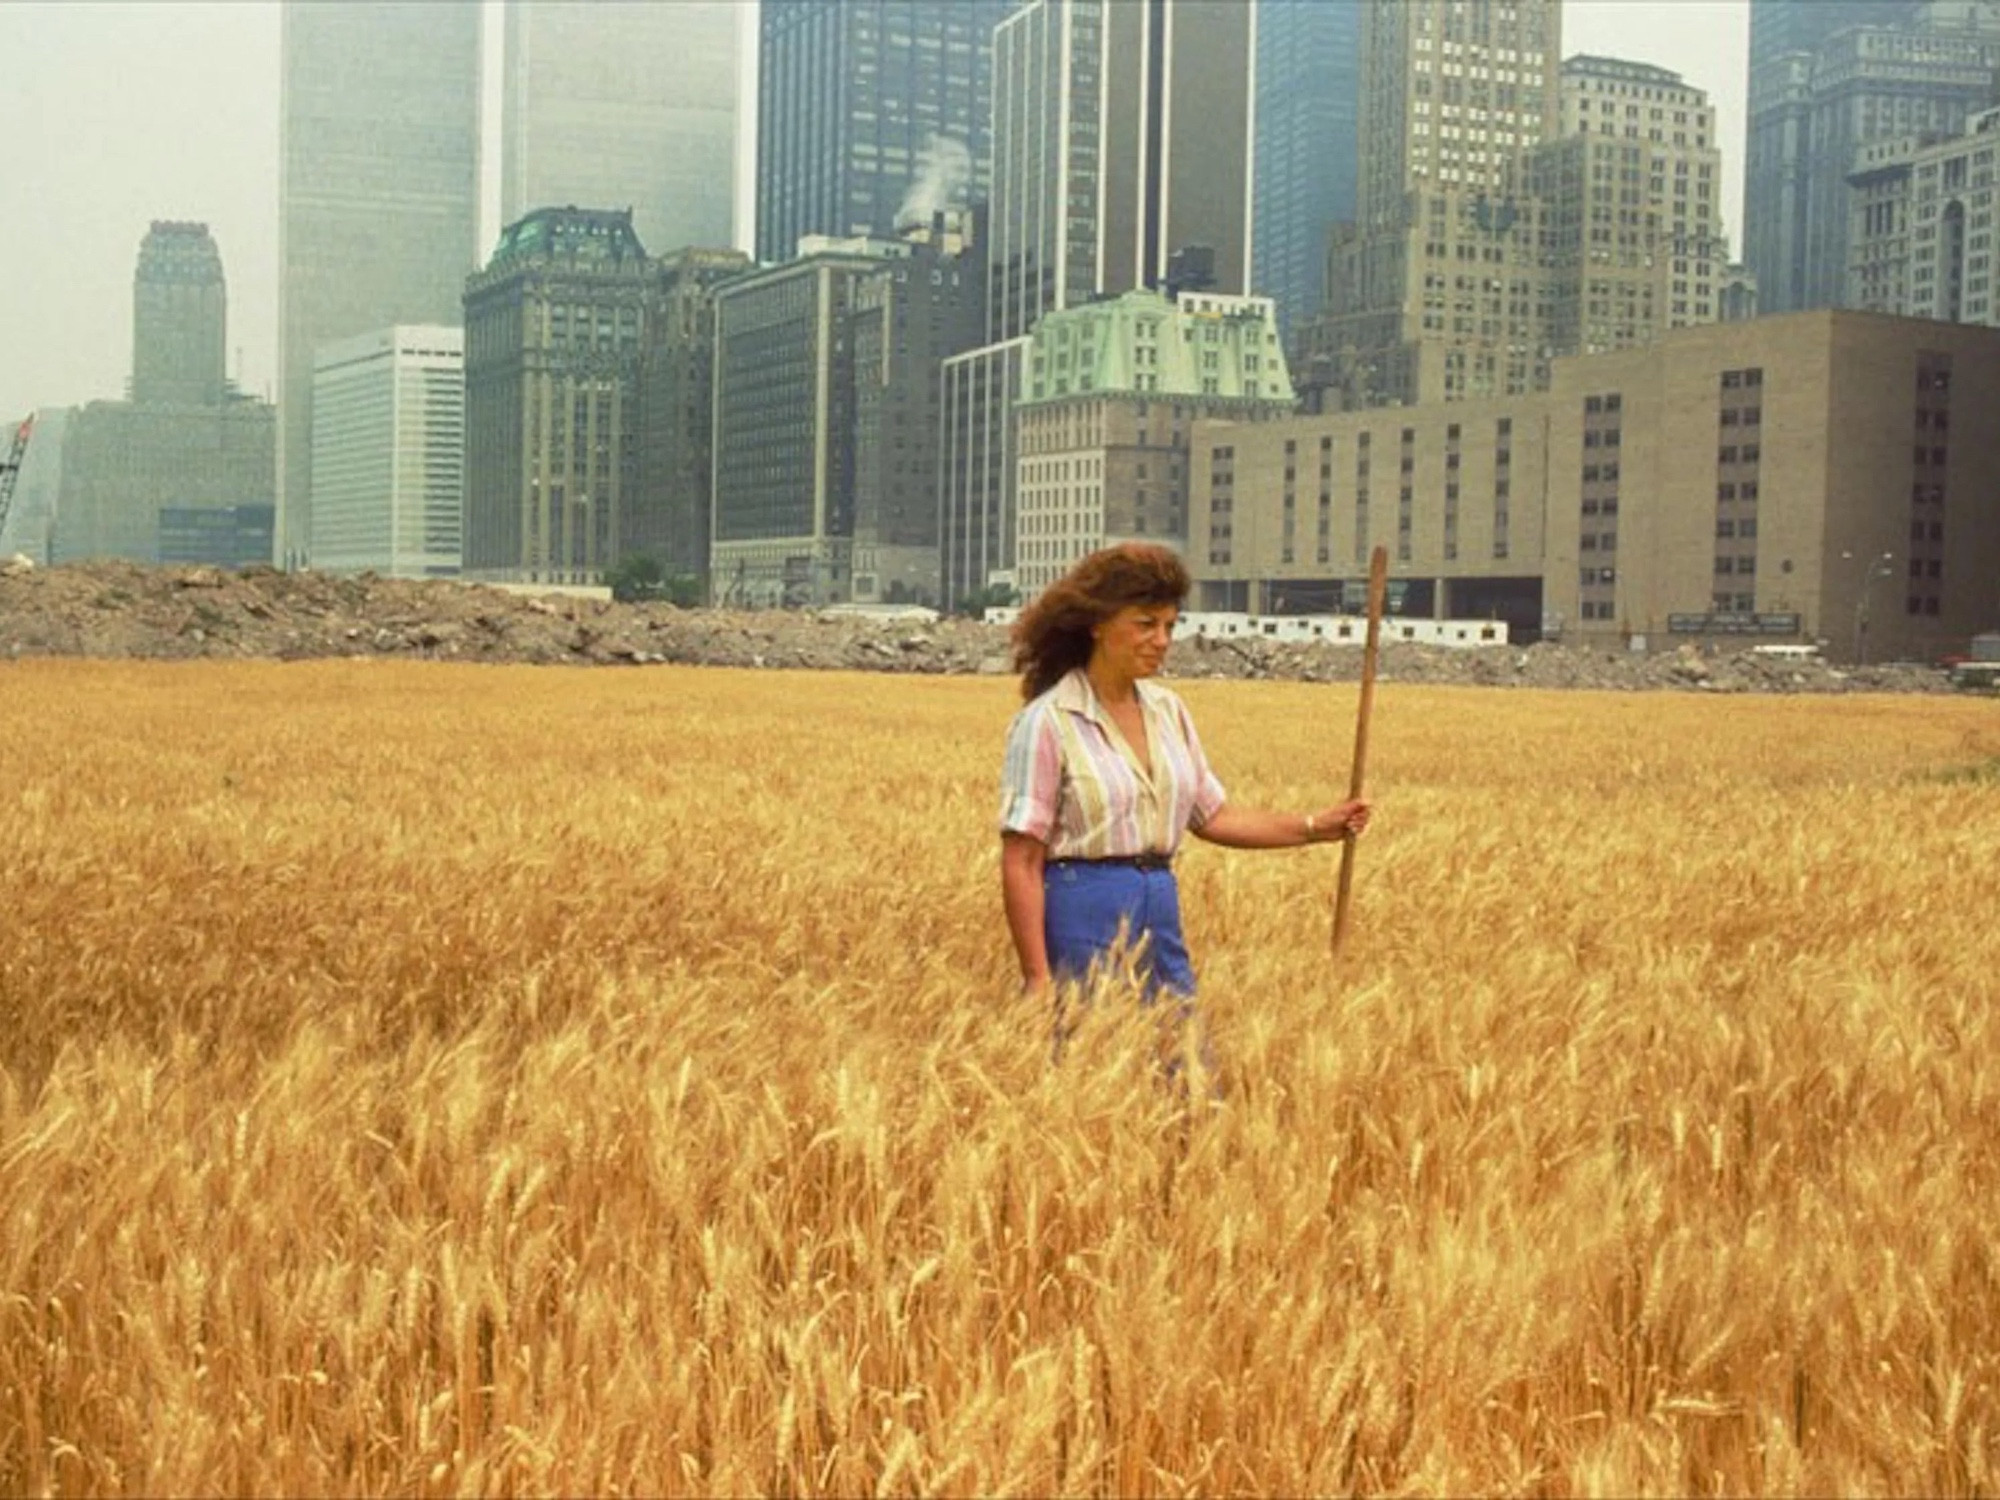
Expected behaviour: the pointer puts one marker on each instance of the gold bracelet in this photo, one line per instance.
(1312, 832)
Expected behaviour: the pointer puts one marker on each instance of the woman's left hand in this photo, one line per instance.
(1343, 820)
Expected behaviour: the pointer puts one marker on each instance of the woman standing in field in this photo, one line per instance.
(1103, 774)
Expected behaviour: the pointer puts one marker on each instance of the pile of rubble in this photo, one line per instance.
(125, 610)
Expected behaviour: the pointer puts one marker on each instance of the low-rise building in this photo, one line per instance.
(1820, 476)
(130, 472)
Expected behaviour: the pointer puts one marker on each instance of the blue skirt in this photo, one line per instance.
(1090, 905)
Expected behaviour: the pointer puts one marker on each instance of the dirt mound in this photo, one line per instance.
(126, 610)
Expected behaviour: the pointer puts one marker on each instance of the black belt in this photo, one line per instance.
(1153, 861)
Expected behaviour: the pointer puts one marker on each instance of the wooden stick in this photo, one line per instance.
(1378, 588)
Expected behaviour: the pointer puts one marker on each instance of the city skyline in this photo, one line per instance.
(99, 158)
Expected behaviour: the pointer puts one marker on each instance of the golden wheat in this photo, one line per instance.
(422, 1079)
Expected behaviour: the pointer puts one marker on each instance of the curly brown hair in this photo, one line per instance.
(1052, 637)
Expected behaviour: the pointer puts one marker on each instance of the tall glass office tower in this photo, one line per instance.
(1308, 100)
(623, 104)
(378, 195)
(871, 114)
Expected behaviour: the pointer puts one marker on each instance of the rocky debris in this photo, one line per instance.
(125, 610)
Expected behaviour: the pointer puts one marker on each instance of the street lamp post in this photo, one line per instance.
(1878, 567)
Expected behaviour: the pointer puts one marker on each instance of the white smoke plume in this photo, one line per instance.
(943, 170)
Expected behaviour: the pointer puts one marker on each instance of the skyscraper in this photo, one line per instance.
(1121, 133)
(1827, 80)
(667, 518)
(179, 317)
(1632, 211)
(1455, 93)
(553, 329)
(872, 114)
(902, 326)
(1920, 231)
(378, 195)
(389, 452)
(184, 471)
(623, 104)
(1781, 26)
(784, 426)
(1308, 115)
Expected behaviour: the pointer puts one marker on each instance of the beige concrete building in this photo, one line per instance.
(1820, 476)
(1283, 515)
(1633, 204)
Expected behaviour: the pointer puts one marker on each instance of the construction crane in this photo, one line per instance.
(10, 468)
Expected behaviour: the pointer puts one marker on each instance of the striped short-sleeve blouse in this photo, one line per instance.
(1072, 781)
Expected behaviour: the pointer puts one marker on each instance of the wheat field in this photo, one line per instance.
(424, 1079)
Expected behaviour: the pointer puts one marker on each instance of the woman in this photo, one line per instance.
(1104, 772)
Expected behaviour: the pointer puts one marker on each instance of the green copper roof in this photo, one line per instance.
(601, 236)
(1145, 343)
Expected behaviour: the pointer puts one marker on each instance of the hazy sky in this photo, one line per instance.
(116, 114)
